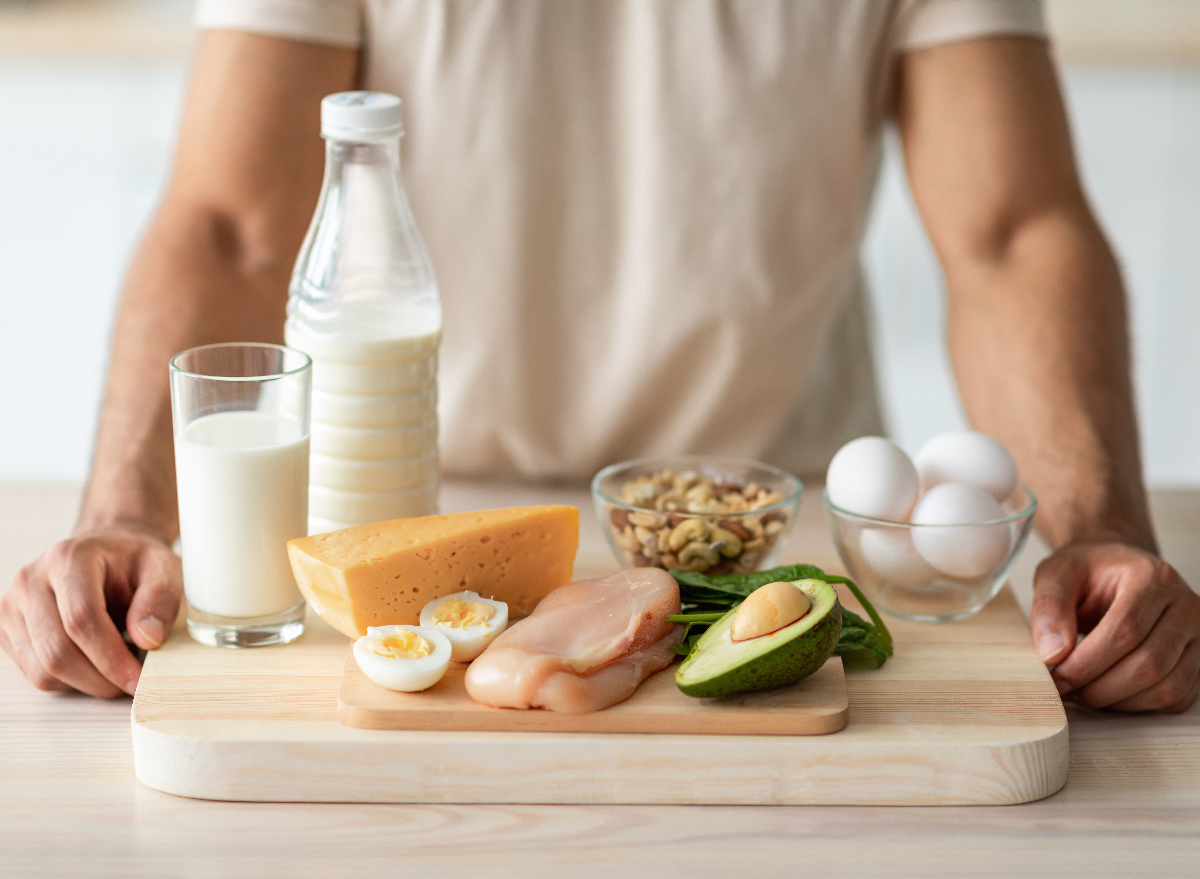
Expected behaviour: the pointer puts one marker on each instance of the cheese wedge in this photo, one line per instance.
(383, 574)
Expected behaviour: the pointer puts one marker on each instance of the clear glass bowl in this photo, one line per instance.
(895, 564)
(648, 524)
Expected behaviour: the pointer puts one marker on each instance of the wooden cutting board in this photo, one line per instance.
(963, 714)
(815, 706)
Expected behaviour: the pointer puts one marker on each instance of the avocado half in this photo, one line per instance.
(719, 666)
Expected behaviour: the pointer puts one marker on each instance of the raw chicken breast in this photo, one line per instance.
(588, 645)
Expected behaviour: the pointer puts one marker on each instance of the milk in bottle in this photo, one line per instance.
(364, 306)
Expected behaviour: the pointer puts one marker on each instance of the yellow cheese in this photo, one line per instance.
(383, 574)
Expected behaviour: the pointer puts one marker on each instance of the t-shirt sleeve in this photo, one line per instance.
(924, 23)
(331, 22)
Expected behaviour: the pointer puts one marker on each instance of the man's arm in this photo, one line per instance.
(1038, 335)
(213, 267)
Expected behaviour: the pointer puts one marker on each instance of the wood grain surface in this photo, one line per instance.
(70, 805)
(816, 706)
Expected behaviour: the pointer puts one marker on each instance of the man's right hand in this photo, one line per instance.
(61, 620)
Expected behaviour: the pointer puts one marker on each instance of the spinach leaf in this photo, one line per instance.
(859, 639)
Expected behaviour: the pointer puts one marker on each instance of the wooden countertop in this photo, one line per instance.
(69, 803)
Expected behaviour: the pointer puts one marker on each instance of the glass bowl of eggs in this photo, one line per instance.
(932, 538)
(709, 515)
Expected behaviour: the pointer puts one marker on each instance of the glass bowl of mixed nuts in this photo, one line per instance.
(710, 515)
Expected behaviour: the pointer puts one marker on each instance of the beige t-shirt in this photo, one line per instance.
(644, 216)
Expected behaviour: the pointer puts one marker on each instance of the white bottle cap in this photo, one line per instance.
(361, 116)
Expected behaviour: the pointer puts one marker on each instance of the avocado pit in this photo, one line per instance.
(768, 609)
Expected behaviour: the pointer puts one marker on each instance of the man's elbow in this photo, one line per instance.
(1005, 237)
(244, 241)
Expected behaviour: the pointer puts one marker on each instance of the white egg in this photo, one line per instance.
(966, 550)
(404, 658)
(967, 456)
(872, 476)
(890, 553)
(469, 621)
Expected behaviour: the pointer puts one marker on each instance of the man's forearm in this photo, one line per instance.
(215, 263)
(1039, 339)
(190, 284)
(1037, 324)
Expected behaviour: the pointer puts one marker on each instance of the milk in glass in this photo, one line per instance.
(242, 478)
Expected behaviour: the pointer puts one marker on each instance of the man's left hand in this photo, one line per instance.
(1141, 627)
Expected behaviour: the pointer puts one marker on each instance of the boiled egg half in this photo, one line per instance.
(404, 658)
(468, 620)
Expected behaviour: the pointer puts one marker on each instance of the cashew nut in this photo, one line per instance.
(697, 556)
(686, 532)
(626, 539)
(725, 542)
(647, 538)
(647, 519)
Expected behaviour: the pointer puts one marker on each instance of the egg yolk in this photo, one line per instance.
(456, 613)
(402, 645)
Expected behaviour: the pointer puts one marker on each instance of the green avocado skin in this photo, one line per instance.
(790, 662)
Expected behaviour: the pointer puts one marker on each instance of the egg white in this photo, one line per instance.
(405, 675)
(467, 643)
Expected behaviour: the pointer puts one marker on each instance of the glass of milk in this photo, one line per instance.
(242, 418)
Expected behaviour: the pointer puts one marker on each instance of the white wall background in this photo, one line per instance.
(84, 149)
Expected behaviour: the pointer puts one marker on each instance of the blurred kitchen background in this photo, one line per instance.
(90, 94)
